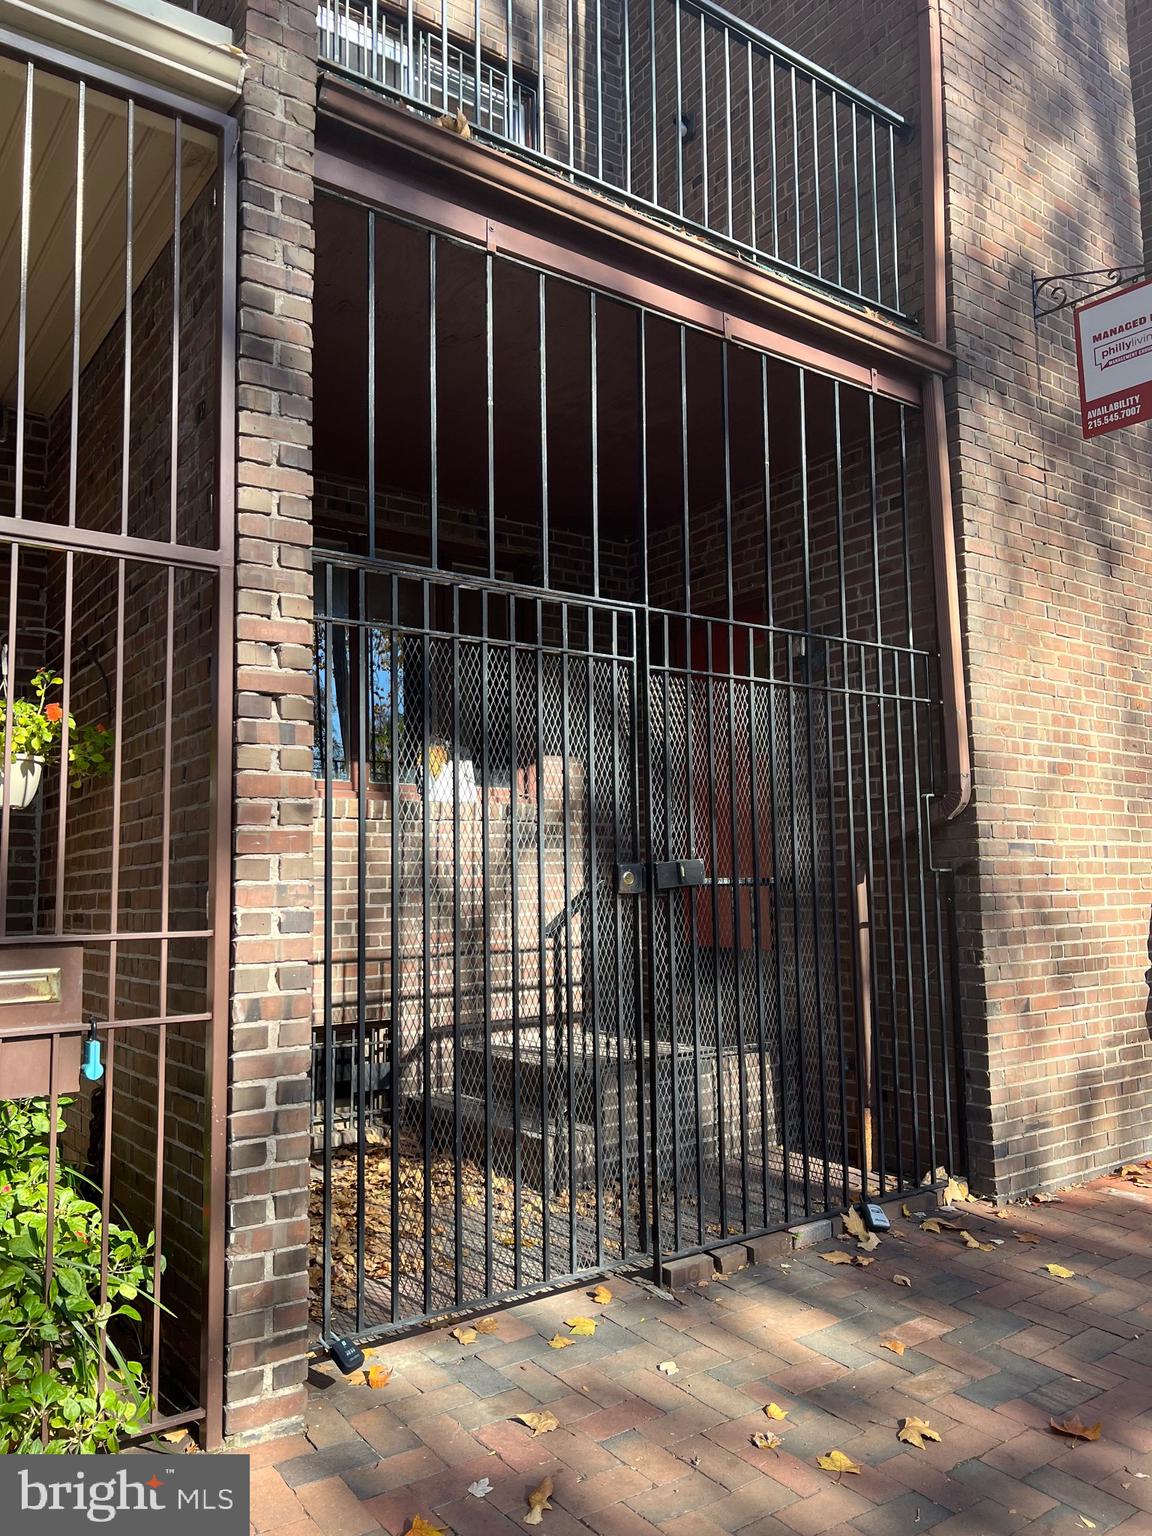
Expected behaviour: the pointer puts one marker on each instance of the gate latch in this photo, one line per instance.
(675, 874)
(630, 880)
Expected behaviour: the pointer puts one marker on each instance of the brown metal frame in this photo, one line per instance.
(69, 540)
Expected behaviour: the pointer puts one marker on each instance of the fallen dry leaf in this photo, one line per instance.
(480, 1490)
(906, 1211)
(422, 1527)
(938, 1224)
(902, 1280)
(854, 1223)
(897, 1346)
(539, 1423)
(1040, 1198)
(487, 1325)
(915, 1431)
(1026, 1237)
(582, 1327)
(861, 1262)
(868, 1242)
(669, 1368)
(764, 1441)
(1088, 1524)
(774, 1411)
(356, 1379)
(836, 1461)
(558, 1341)
(1000, 1214)
(974, 1242)
(1060, 1271)
(379, 1376)
(601, 1295)
(1072, 1426)
(538, 1503)
(836, 1258)
(956, 1190)
(463, 1335)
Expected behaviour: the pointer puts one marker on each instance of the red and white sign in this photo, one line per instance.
(1114, 350)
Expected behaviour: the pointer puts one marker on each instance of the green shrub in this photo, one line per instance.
(68, 1407)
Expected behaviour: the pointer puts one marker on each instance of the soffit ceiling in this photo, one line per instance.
(48, 350)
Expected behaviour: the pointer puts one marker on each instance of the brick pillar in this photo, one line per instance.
(268, 1115)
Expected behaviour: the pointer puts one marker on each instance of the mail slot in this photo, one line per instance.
(675, 874)
(40, 990)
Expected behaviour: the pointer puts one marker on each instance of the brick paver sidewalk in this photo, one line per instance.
(995, 1347)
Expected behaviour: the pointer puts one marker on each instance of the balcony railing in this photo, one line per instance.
(674, 106)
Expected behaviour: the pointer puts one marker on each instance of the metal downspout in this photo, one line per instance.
(957, 794)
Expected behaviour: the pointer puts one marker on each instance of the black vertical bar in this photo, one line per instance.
(508, 123)
(374, 43)
(329, 1034)
(129, 220)
(813, 821)
(816, 180)
(364, 760)
(642, 444)
(836, 186)
(876, 212)
(881, 709)
(874, 1088)
(704, 118)
(728, 124)
(22, 337)
(371, 383)
(490, 382)
(426, 906)
(796, 163)
(906, 894)
(569, 1001)
(457, 990)
(672, 907)
(444, 60)
(594, 406)
(411, 84)
(543, 342)
(433, 407)
(797, 974)
(545, 1068)
(775, 157)
(174, 400)
(651, 1206)
(856, 197)
(652, 94)
(590, 944)
(714, 866)
(599, 93)
(894, 223)
(476, 70)
(395, 676)
(754, 234)
(618, 918)
(626, 43)
(569, 34)
(77, 297)
(755, 913)
(514, 834)
(769, 602)
(679, 114)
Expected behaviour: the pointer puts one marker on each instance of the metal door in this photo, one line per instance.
(480, 792)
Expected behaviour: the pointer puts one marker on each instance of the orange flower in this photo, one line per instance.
(53, 712)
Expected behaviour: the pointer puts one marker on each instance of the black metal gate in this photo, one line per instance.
(632, 941)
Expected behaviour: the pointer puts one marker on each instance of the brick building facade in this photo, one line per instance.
(623, 399)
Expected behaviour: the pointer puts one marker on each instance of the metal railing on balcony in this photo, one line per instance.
(675, 106)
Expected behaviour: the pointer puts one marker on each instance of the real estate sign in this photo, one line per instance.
(1114, 349)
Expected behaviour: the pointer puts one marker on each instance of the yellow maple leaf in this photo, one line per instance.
(582, 1327)
(558, 1341)
(956, 1190)
(1072, 1426)
(464, 1335)
(774, 1411)
(915, 1431)
(422, 1527)
(897, 1346)
(836, 1461)
(1059, 1271)
(379, 1376)
(601, 1295)
(539, 1423)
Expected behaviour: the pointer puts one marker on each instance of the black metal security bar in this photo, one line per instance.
(116, 502)
(677, 106)
(632, 937)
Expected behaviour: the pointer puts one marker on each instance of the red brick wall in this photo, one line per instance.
(1056, 886)
(1140, 58)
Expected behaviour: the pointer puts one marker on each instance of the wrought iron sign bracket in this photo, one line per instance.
(1060, 290)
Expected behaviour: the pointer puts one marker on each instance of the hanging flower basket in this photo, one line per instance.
(38, 730)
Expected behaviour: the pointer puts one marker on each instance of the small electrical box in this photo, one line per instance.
(874, 1216)
(676, 874)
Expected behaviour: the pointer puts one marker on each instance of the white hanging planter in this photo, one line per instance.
(22, 781)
